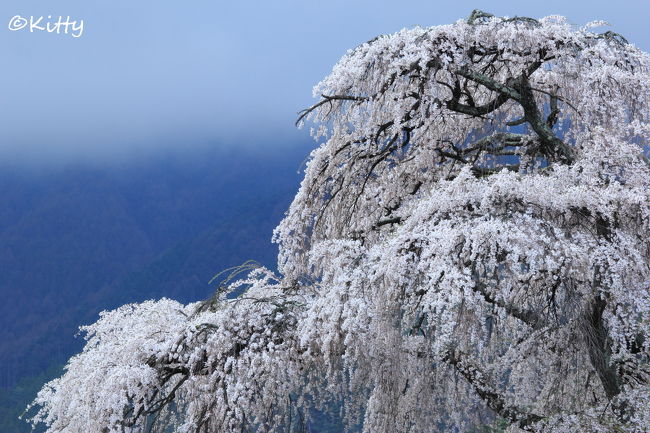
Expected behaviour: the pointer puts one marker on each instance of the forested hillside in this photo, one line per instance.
(77, 240)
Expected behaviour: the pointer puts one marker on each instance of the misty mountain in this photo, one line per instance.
(77, 240)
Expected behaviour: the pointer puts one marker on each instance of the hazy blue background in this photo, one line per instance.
(151, 74)
(139, 160)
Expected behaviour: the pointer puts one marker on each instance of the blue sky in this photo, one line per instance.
(148, 75)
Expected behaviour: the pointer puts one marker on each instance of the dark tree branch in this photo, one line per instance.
(328, 99)
(520, 91)
(527, 316)
(599, 347)
(551, 144)
(483, 385)
(504, 89)
(394, 220)
(517, 122)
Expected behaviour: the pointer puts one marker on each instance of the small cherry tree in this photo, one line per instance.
(469, 246)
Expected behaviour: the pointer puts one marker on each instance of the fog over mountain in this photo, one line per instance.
(149, 75)
(80, 239)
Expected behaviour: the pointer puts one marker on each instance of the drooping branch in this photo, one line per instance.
(599, 347)
(488, 392)
(327, 99)
(529, 317)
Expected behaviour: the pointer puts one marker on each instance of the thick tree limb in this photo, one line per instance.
(599, 348)
(527, 316)
(484, 387)
(520, 91)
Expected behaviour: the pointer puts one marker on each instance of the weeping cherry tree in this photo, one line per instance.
(468, 248)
